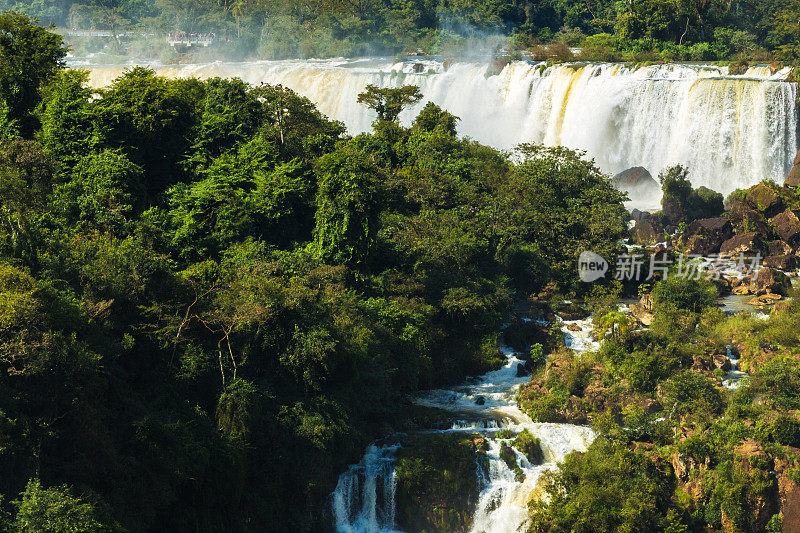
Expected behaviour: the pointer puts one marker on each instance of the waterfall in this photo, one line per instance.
(364, 499)
(730, 131)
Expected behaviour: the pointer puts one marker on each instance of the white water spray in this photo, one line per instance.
(364, 499)
(730, 131)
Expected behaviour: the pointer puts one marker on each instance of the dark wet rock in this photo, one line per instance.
(521, 335)
(770, 280)
(781, 262)
(637, 215)
(648, 230)
(778, 247)
(673, 210)
(745, 219)
(787, 226)
(522, 371)
(764, 199)
(705, 236)
(793, 179)
(571, 311)
(480, 400)
(637, 182)
(748, 244)
(437, 481)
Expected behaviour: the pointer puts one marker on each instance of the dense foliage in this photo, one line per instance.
(212, 298)
(605, 29)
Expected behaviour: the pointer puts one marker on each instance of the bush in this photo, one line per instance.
(530, 446)
(786, 431)
(684, 293)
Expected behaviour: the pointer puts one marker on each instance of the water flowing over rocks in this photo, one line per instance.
(486, 409)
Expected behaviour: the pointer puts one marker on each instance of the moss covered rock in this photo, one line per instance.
(437, 482)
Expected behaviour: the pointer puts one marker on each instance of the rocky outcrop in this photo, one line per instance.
(746, 219)
(437, 483)
(781, 262)
(638, 182)
(770, 280)
(648, 229)
(789, 495)
(787, 226)
(793, 179)
(748, 244)
(778, 247)
(765, 200)
(705, 236)
(763, 505)
(643, 311)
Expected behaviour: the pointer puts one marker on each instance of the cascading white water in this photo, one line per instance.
(730, 131)
(364, 499)
(503, 503)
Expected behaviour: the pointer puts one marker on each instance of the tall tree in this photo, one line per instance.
(30, 56)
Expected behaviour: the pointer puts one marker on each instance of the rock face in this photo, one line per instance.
(793, 180)
(705, 236)
(778, 248)
(747, 244)
(643, 311)
(771, 280)
(437, 483)
(781, 262)
(648, 228)
(765, 200)
(746, 219)
(787, 226)
(638, 182)
(789, 493)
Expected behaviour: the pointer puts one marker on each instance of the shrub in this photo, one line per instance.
(786, 431)
(530, 446)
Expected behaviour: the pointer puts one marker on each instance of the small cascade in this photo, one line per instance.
(733, 379)
(578, 335)
(364, 499)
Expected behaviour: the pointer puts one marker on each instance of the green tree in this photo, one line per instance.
(67, 119)
(30, 56)
(56, 510)
(348, 206)
(388, 103)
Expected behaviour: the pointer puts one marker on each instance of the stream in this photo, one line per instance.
(363, 501)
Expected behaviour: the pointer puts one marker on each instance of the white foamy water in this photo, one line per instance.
(730, 131)
(364, 499)
(483, 405)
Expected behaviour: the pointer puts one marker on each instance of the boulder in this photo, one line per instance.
(705, 236)
(643, 311)
(673, 210)
(778, 247)
(789, 495)
(648, 229)
(787, 226)
(522, 370)
(747, 244)
(700, 245)
(793, 180)
(717, 226)
(781, 262)
(637, 215)
(765, 200)
(746, 219)
(770, 280)
(637, 182)
(722, 362)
